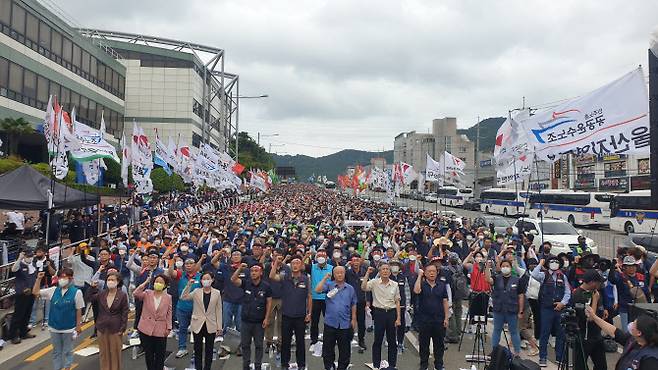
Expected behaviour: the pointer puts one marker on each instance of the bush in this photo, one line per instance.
(164, 183)
(10, 163)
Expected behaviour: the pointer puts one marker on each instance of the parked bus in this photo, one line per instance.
(453, 196)
(633, 213)
(576, 207)
(501, 201)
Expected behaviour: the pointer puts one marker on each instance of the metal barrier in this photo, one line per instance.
(6, 275)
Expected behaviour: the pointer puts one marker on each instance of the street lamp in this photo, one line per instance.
(264, 135)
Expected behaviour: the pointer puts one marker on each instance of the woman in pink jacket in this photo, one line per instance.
(155, 323)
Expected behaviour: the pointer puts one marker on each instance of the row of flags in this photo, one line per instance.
(66, 137)
(448, 170)
(613, 119)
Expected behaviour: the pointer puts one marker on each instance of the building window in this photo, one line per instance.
(56, 45)
(5, 11)
(196, 140)
(18, 19)
(16, 78)
(44, 36)
(197, 108)
(32, 31)
(462, 149)
(4, 73)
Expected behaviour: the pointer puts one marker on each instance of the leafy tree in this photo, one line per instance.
(15, 128)
(164, 183)
(252, 155)
(113, 172)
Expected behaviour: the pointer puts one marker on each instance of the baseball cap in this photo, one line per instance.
(629, 260)
(592, 275)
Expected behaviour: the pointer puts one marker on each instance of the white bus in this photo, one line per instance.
(501, 201)
(575, 207)
(453, 196)
(633, 213)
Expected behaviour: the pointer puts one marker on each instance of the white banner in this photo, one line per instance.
(91, 145)
(611, 119)
(517, 170)
(125, 160)
(408, 173)
(433, 170)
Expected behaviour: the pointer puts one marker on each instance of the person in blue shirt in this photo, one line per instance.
(183, 307)
(339, 320)
(318, 271)
(554, 294)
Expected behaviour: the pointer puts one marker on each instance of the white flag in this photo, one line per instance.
(518, 170)
(611, 119)
(125, 160)
(59, 162)
(91, 144)
(433, 170)
(513, 152)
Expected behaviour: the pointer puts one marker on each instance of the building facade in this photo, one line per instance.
(41, 55)
(609, 173)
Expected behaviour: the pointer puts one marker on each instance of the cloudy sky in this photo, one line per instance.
(355, 73)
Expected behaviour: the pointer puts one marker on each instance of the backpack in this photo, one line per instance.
(459, 286)
(501, 358)
(524, 364)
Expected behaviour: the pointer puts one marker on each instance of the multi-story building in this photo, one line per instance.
(609, 173)
(165, 88)
(41, 55)
(412, 148)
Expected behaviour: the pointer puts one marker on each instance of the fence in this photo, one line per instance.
(6, 275)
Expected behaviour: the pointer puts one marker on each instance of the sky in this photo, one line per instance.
(353, 74)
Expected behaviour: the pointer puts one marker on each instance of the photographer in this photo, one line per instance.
(640, 343)
(508, 302)
(587, 295)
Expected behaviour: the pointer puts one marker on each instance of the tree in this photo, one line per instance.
(164, 183)
(252, 155)
(15, 128)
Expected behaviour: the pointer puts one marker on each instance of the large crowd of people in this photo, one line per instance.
(300, 256)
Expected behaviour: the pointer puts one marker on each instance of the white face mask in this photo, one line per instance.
(112, 284)
(412, 257)
(122, 252)
(206, 283)
(337, 255)
(565, 264)
(395, 269)
(386, 238)
(376, 257)
(554, 266)
(184, 248)
(321, 260)
(500, 241)
(469, 237)
(480, 237)
(179, 264)
(506, 270)
(63, 282)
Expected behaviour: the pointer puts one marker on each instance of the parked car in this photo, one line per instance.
(472, 204)
(499, 223)
(562, 235)
(431, 197)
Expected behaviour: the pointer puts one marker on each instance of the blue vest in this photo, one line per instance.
(182, 305)
(62, 309)
(505, 298)
(317, 274)
(634, 354)
(551, 291)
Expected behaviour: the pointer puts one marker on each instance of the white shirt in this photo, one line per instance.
(47, 294)
(16, 218)
(156, 301)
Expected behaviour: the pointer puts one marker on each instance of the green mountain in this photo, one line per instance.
(330, 165)
(488, 129)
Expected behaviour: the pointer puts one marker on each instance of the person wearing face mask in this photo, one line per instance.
(112, 320)
(155, 324)
(65, 316)
(631, 287)
(640, 341)
(554, 294)
(185, 253)
(545, 251)
(143, 273)
(354, 275)
(24, 276)
(318, 271)
(184, 308)
(337, 257)
(507, 296)
(398, 277)
(41, 263)
(206, 318)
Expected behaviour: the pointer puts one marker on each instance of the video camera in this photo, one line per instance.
(570, 316)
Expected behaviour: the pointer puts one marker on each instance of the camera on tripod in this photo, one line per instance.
(569, 318)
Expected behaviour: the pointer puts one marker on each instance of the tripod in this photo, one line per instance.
(573, 339)
(477, 315)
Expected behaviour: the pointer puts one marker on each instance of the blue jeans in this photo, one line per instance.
(231, 315)
(550, 323)
(512, 320)
(62, 350)
(40, 304)
(184, 318)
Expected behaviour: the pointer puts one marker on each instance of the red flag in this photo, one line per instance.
(237, 168)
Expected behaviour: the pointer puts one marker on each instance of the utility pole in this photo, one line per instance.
(653, 124)
(477, 158)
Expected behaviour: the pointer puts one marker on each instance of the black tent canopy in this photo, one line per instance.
(26, 189)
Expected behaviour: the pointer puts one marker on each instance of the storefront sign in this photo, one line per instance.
(643, 166)
(485, 163)
(640, 182)
(613, 157)
(615, 184)
(585, 183)
(583, 159)
(614, 169)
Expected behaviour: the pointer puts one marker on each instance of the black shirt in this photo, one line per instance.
(254, 302)
(206, 300)
(430, 302)
(355, 279)
(295, 291)
(588, 329)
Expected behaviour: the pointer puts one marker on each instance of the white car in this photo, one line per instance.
(562, 235)
(431, 197)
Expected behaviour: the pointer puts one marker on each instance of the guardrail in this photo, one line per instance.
(6, 276)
